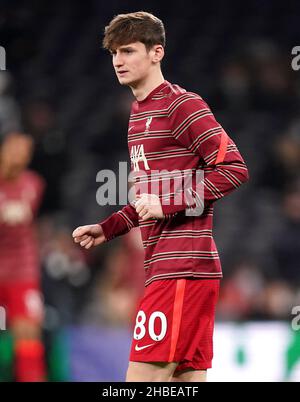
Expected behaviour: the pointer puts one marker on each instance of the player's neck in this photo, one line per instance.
(144, 88)
(7, 174)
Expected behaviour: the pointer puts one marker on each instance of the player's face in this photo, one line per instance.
(133, 63)
(15, 154)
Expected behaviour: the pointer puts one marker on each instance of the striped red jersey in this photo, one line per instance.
(19, 202)
(173, 134)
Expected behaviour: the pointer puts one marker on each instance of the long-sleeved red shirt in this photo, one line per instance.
(173, 134)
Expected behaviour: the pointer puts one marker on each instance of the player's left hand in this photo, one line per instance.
(148, 206)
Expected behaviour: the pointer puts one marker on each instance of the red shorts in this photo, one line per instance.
(175, 323)
(21, 300)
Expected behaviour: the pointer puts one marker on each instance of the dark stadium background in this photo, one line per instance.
(60, 87)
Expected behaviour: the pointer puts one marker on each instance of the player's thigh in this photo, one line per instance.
(25, 328)
(156, 330)
(26, 310)
(190, 376)
(150, 372)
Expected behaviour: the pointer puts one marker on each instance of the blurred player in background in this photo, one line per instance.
(20, 197)
(170, 130)
(123, 283)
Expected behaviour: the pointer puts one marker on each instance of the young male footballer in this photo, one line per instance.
(21, 192)
(172, 135)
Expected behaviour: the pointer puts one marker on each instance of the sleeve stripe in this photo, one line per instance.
(222, 148)
(235, 183)
(201, 139)
(230, 174)
(199, 114)
(129, 223)
(185, 97)
(209, 159)
(213, 189)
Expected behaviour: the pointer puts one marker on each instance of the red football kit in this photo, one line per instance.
(175, 322)
(19, 255)
(172, 135)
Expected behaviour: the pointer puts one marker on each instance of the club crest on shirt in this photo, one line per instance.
(148, 122)
(137, 154)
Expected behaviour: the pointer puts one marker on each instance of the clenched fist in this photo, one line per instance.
(148, 206)
(89, 235)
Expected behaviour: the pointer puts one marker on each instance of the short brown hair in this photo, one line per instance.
(134, 27)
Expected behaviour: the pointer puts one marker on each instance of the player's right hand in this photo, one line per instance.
(89, 235)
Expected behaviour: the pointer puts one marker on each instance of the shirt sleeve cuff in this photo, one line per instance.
(113, 226)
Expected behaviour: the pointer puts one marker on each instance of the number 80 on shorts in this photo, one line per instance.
(140, 328)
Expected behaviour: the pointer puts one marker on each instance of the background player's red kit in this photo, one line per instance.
(19, 255)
